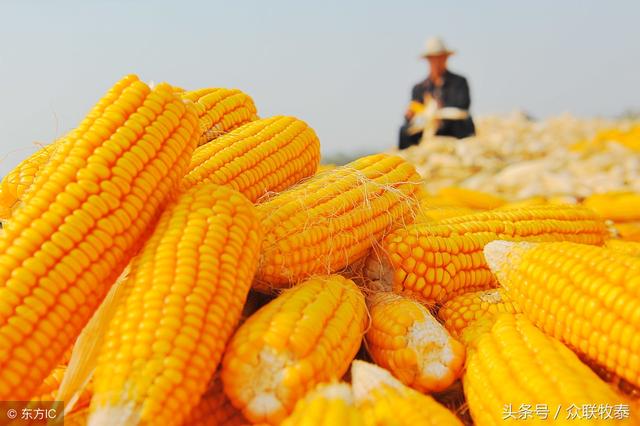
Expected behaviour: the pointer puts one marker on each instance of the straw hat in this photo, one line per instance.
(435, 47)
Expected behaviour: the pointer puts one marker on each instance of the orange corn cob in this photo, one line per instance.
(526, 202)
(629, 231)
(307, 335)
(383, 400)
(407, 340)
(262, 156)
(434, 262)
(628, 247)
(220, 110)
(514, 365)
(182, 299)
(458, 313)
(585, 296)
(471, 198)
(332, 219)
(17, 181)
(620, 206)
(81, 221)
(329, 404)
(48, 390)
(215, 409)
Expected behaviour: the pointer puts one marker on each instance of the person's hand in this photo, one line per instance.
(409, 114)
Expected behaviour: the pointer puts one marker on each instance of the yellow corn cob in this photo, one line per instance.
(628, 247)
(538, 201)
(383, 400)
(307, 335)
(182, 299)
(430, 201)
(617, 206)
(328, 404)
(442, 212)
(259, 157)
(629, 231)
(215, 409)
(471, 198)
(81, 220)
(434, 262)
(527, 202)
(585, 296)
(325, 167)
(15, 184)
(514, 365)
(407, 340)
(220, 110)
(332, 219)
(459, 312)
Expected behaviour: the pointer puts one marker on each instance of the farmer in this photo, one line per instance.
(443, 98)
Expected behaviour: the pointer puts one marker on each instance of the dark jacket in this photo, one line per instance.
(454, 92)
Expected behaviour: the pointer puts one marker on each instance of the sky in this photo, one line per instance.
(345, 67)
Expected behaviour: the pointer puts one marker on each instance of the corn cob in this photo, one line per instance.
(430, 201)
(220, 111)
(328, 404)
(182, 299)
(332, 219)
(527, 202)
(16, 182)
(49, 388)
(262, 156)
(513, 365)
(434, 262)
(408, 341)
(585, 296)
(629, 231)
(215, 409)
(77, 418)
(628, 247)
(325, 167)
(458, 313)
(442, 212)
(307, 335)
(81, 220)
(539, 201)
(383, 400)
(471, 198)
(620, 207)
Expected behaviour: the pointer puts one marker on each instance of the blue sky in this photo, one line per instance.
(344, 67)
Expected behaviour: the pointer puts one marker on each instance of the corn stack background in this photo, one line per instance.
(178, 260)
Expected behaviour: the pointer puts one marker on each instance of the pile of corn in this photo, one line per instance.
(177, 260)
(518, 158)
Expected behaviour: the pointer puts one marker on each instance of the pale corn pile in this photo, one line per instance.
(518, 158)
(178, 260)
